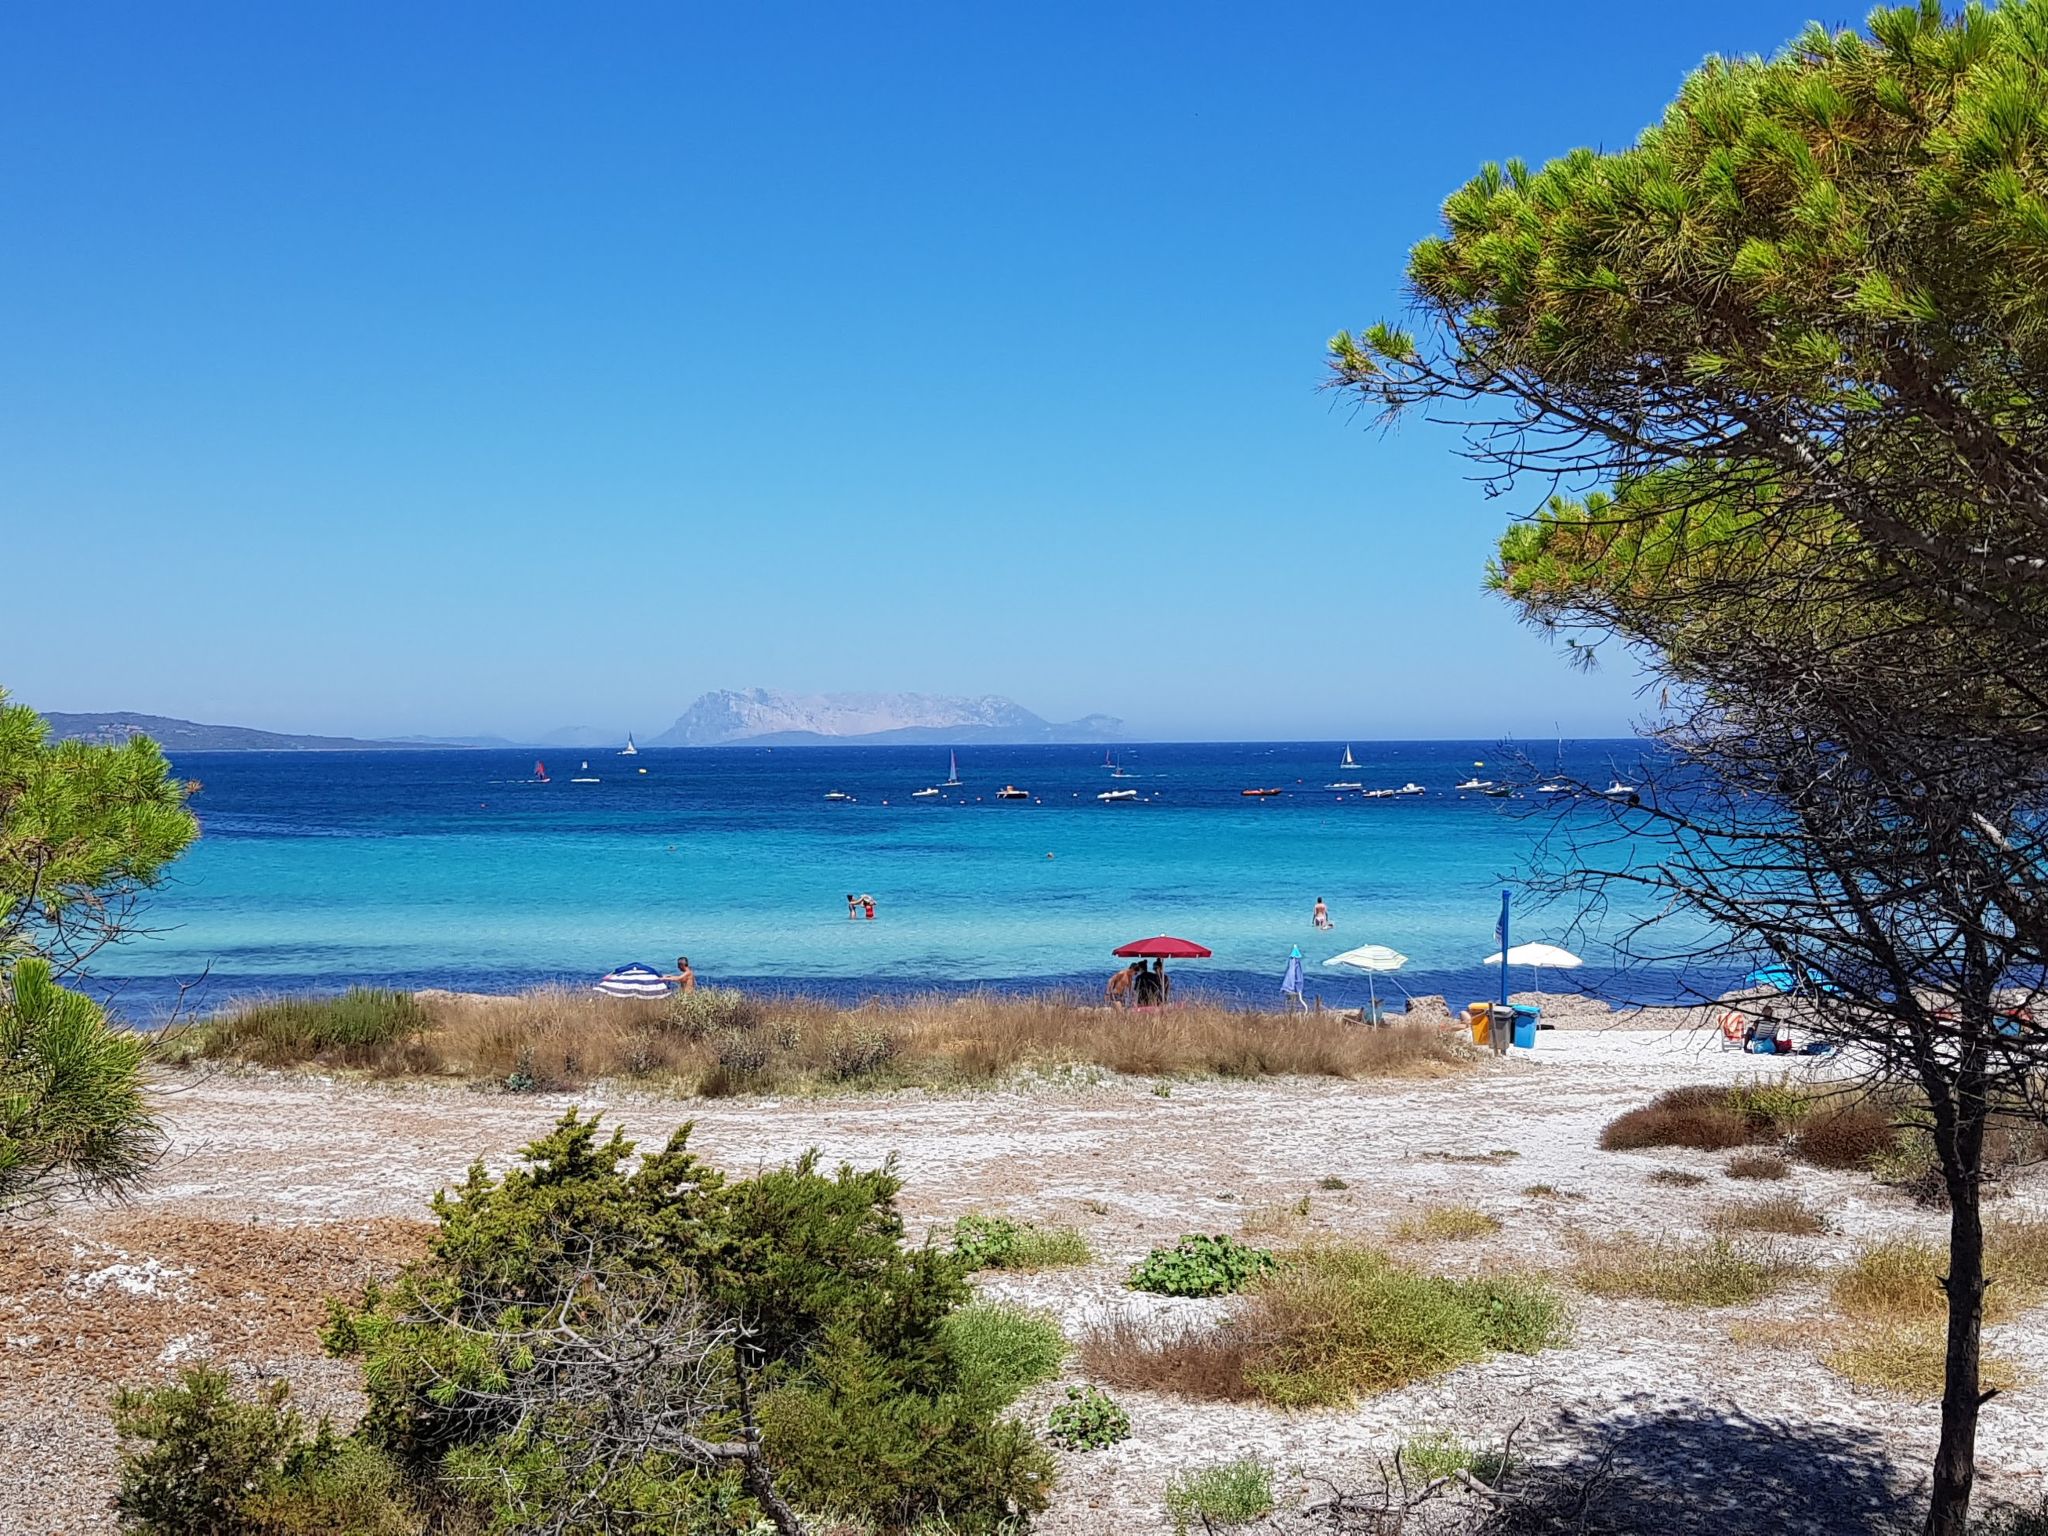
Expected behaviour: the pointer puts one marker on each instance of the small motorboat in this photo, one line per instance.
(1258, 794)
(1012, 792)
(1496, 791)
(1553, 789)
(838, 794)
(1411, 788)
(590, 778)
(1118, 794)
(922, 794)
(1619, 789)
(1347, 784)
(1479, 784)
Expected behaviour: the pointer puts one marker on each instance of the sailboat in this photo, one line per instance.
(1116, 769)
(1349, 762)
(540, 771)
(629, 750)
(952, 771)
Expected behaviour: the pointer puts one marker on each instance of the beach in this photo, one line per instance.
(283, 1188)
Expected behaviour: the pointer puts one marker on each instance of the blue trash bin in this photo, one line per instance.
(1526, 1015)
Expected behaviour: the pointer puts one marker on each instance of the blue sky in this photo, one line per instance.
(500, 367)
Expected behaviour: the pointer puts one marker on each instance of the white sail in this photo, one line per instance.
(1349, 760)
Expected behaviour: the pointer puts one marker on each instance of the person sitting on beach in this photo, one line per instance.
(1144, 987)
(1118, 991)
(684, 978)
(1322, 914)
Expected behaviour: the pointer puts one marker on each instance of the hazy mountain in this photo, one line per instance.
(771, 718)
(189, 736)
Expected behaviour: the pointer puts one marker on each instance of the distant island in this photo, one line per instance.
(190, 736)
(768, 717)
(726, 717)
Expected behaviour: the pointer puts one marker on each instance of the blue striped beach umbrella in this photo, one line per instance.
(633, 981)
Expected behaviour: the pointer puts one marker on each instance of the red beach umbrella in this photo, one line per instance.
(1163, 948)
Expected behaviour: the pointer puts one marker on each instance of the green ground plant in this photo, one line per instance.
(356, 1028)
(1442, 1454)
(996, 1242)
(998, 1349)
(1331, 1325)
(1200, 1265)
(1235, 1493)
(1087, 1420)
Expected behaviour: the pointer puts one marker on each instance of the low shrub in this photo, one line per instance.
(1787, 1215)
(1853, 1134)
(742, 1053)
(197, 1460)
(1149, 1354)
(856, 1052)
(1331, 1325)
(1677, 1178)
(1552, 1192)
(1200, 1265)
(1331, 1181)
(1702, 1118)
(1447, 1224)
(1236, 1493)
(2007, 1519)
(1900, 1279)
(1716, 1273)
(996, 1242)
(998, 1350)
(1088, 1420)
(1757, 1165)
(706, 1011)
(1440, 1454)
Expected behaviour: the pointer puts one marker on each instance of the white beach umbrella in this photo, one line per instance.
(1536, 956)
(1372, 959)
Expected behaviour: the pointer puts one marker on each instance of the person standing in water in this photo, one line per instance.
(852, 906)
(1322, 915)
(868, 905)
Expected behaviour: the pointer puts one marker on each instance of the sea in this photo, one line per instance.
(316, 871)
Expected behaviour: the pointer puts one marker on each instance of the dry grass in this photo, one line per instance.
(1677, 1178)
(1150, 1354)
(714, 1042)
(1906, 1358)
(1280, 1219)
(1899, 1281)
(1716, 1273)
(1328, 1325)
(1787, 1215)
(1757, 1165)
(1447, 1224)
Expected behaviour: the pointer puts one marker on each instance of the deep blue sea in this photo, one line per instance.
(457, 869)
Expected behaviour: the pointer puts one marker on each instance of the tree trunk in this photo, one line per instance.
(1959, 1138)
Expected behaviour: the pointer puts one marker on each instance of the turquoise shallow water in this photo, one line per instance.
(456, 869)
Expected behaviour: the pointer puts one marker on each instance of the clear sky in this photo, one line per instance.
(501, 367)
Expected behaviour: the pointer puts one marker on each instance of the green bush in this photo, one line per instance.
(193, 1454)
(856, 1052)
(996, 1242)
(1200, 1265)
(1236, 1493)
(198, 1461)
(1445, 1455)
(878, 1396)
(1087, 1421)
(998, 1350)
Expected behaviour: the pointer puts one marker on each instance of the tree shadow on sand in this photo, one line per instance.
(1695, 1472)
